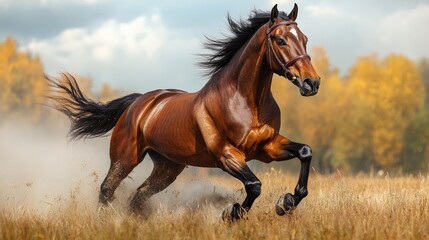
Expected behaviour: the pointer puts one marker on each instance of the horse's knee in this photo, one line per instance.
(253, 189)
(305, 153)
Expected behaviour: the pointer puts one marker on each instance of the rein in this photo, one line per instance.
(285, 66)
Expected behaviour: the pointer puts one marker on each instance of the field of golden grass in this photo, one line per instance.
(337, 207)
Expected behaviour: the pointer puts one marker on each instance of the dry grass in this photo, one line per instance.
(336, 208)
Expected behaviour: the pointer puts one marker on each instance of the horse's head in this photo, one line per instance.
(287, 51)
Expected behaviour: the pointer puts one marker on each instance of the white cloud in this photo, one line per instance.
(322, 10)
(405, 32)
(142, 36)
(138, 53)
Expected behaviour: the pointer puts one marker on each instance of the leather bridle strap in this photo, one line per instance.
(270, 49)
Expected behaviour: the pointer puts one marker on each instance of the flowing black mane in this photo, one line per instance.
(224, 49)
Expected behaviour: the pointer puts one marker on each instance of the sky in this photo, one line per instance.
(141, 45)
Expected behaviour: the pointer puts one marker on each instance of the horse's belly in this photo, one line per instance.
(169, 129)
(183, 148)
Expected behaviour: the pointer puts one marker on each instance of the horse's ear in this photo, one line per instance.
(294, 13)
(274, 14)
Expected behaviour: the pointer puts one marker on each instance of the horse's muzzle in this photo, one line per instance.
(309, 87)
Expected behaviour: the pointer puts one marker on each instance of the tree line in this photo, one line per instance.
(374, 117)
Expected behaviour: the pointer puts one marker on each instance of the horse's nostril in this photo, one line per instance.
(317, 85)
(308, 84)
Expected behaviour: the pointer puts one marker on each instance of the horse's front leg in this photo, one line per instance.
(281, 149)
(232, 161)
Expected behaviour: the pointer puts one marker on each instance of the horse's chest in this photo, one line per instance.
(257, 138)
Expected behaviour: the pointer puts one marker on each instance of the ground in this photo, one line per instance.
(337, 207)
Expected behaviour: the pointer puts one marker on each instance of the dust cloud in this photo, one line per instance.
(41, 170)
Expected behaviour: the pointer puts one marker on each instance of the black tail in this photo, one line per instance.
(89, 119)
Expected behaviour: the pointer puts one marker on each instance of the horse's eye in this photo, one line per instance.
(280, 42)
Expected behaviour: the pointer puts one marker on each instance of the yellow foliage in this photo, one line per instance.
(22, 85)
(383, 97)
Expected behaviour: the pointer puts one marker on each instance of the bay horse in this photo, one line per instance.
(231, 120)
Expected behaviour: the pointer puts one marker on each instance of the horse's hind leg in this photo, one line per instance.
(117, 172)
(163, 174)
(125, 154)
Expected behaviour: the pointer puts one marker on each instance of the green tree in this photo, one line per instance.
(415, 157)
(424, 71)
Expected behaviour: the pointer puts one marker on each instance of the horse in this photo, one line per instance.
(231, 120)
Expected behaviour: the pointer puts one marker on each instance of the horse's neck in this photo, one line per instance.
(250, 72)
(246, 79)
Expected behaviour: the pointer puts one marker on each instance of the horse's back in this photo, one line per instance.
(143, 105)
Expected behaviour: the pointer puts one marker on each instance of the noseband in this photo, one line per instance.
(285, 66)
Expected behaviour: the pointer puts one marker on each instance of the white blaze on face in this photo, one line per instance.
(293, 31)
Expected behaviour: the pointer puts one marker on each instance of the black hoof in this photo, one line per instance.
(285, 204)
(233, 212)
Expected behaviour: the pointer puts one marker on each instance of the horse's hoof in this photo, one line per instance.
(233, 212)
(285, 204)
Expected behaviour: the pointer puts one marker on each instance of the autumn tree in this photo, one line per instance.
(384, 95)
(21, 81)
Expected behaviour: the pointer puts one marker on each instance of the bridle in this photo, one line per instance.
(285, 66)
